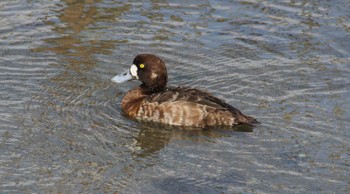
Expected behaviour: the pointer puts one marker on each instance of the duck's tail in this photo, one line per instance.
(243, 119)
(252, 120)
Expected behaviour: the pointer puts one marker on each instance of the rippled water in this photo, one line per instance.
(285, 62)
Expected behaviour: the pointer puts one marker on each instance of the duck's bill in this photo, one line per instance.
(123, 77)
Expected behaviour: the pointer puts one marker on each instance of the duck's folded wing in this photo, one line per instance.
(186, 94)
(199, 99)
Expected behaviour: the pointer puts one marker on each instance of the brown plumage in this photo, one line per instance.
(182, 106)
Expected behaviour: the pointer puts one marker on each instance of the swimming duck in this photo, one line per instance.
(153, 101)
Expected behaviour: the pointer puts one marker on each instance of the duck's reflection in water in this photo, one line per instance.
(152, 138)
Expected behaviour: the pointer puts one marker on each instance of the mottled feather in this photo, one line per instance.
(186, 107)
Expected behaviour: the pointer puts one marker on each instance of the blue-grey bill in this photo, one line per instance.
(123, 77)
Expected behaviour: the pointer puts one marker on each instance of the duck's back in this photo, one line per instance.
(184, 106)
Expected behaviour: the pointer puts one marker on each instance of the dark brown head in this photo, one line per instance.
(149, 69)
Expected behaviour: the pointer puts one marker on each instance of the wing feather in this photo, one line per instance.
(187, 94)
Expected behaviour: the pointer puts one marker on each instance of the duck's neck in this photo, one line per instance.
(152, 89)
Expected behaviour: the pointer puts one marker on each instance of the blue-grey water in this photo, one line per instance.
(285, 62)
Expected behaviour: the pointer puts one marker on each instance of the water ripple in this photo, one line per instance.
(284, 62)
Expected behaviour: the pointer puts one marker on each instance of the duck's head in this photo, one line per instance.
(147, 68)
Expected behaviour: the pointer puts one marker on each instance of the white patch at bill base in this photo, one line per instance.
(133, 71)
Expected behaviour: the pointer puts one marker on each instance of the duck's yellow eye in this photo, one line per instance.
(142, 66)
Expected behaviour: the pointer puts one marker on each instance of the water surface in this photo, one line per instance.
(284, 62)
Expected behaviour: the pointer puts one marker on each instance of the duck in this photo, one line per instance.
(153, 101)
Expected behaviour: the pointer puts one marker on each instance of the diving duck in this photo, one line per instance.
(153, 101)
